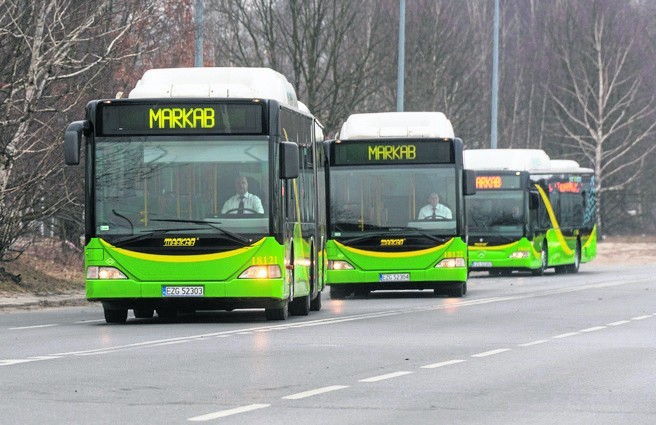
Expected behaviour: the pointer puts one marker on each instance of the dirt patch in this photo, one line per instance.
(45, 268)
(629, 250)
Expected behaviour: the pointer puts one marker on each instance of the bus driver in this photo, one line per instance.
(242, 202)
(434, 210)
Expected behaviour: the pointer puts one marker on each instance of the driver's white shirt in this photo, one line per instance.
(440, 212)
(251, 203)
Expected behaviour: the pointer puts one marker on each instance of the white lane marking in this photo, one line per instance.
(592, 329)
(386, 376)
(566, 335)
(89, 321)
(170, 343)
(229, 412)
(314, 392)
(34, 327)
(641, 318)
(528, 344)
(619, 322)
(442, 364)
(491, 352)
(364, 316)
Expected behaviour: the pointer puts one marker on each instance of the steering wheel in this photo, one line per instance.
(234, 211)
(437, 217)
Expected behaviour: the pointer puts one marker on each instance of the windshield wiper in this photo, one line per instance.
(147, 235)
(395, 231)
(421, 232)
(234, 236)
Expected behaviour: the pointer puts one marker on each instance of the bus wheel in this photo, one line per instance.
(544, 259)
(300, 306)
(143, 313)
(116, 316)
(338, 292)
(280, 312)
(574, 268)
(315, 304)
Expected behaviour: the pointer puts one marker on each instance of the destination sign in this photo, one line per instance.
(123, 118)
(497, 182)
(356, 152)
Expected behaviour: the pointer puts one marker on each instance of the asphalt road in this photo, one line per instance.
(571, 349)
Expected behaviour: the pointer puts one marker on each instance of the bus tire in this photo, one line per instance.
(574, 268)
(280, 312)
(338, 292)
(300, 306)
(116, 315)
(544, 261)
(315, 304)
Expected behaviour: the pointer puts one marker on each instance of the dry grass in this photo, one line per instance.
(45, 268)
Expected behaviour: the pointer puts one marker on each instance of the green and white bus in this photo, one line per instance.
(529, 213)
(202, 193)
(382, 169)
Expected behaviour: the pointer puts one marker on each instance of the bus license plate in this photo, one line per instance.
(183, 291)
(394, 277)
(481, 264)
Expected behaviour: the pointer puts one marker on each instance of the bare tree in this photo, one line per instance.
(601, 103)
(53, 50)
(327, 48)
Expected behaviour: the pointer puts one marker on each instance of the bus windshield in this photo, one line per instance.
(379, 199)
(145, 185)
(496, 212)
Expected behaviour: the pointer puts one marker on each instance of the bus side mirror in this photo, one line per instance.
(469, 182)
(533, 200)
(288, 160)
(73, 141)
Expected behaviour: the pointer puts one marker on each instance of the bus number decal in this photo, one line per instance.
(391, 153)
(264, 260)
(182, 118)
(454, 254)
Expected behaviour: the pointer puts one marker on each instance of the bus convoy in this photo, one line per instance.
(202, 192)
(381, 171)
(529, 212)
(213, 189)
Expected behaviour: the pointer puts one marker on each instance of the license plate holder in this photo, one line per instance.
(183, 291)
(394, 277)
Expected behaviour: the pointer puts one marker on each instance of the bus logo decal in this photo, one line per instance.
(180, 241)
(392, 242)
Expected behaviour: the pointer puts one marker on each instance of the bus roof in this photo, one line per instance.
(567, 166)
(506, 159)
(396, 124)
(247, 83)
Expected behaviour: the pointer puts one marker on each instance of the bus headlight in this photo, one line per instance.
(519, 254)
(261, 272)
(449, 263)
(339, 265)
(103, 272)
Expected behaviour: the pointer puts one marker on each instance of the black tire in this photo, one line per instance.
(574, 268)
(300, 306)
(277, 313)
(338, 292)
(315, 304)
(544, 261)
(143, 313)
(116, 316)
